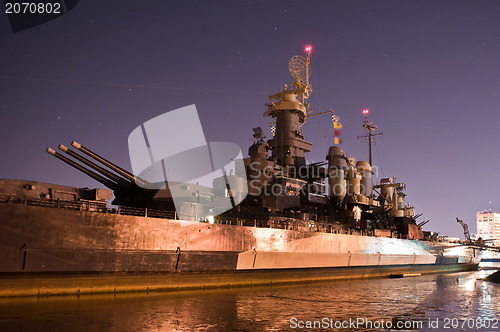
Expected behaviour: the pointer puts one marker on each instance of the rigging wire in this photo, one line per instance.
(125, 85)
(318, 108)
(323, 134)
(313, 70)
(379, 160)
(360, 149)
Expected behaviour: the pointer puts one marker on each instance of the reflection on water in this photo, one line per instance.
(431, 297)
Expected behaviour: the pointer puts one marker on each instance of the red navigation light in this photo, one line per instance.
(366, 111)
(308, 48)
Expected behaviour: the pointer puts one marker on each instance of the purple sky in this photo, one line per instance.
(429, 71)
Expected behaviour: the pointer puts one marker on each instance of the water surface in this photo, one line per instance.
(425, 299)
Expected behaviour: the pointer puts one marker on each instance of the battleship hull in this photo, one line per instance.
(49, 250)
(63, 240)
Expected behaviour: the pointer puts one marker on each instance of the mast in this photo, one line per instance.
(370, 127)
(290, 109)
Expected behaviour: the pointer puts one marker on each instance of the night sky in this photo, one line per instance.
(428, 71)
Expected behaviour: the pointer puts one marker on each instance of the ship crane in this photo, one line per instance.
(466, 229)
(480, 243)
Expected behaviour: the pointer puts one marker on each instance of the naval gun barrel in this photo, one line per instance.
(129, 176)
(108, 183)
(423, 223)
(109, 175)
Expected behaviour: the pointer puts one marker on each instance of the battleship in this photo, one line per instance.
(273, 218)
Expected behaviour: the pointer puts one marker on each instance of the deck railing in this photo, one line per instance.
(284, 221)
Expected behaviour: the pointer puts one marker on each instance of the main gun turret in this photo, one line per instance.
(128, 190)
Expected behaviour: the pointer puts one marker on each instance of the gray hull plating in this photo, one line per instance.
(49, 240)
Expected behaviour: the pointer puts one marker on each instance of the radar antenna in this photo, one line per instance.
(299, 69)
